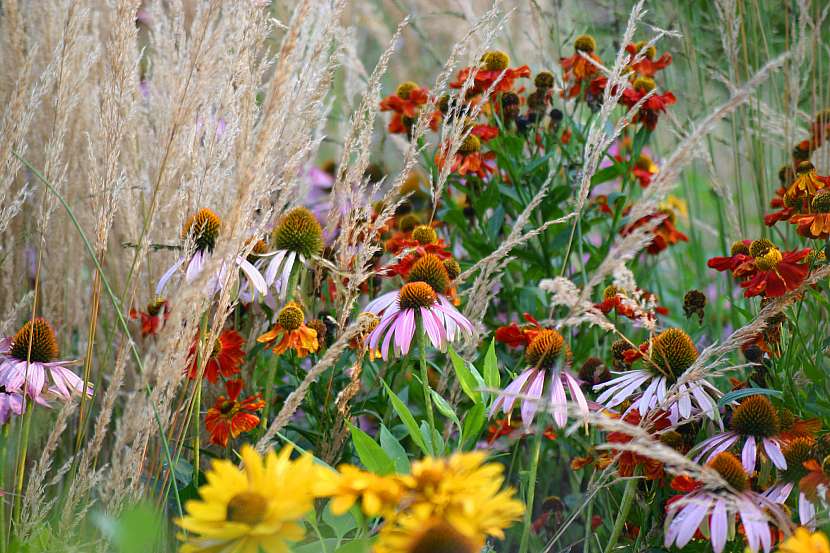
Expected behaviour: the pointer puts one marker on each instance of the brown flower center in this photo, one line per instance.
(585, 43)
(674, 351)
(299, 231)
(756, 416)
(759, 247)
(769, 260)
(39, 334)
(739, 247)
(405, 89)
(424, 234)
(442, 537)
(431, 270)
(495, 60)
(731, 470)
(544, 349)
(291, 317)
(417, 294)
(203, 228)
(248, 508)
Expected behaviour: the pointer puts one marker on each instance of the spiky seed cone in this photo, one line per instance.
(585, 43)
(291, 317)
(618, 349)
(452, 267)
(544, 349)
(731, 470)
(756, 416)
(248, 508)
(408, 222)
(738, 247)
(424, 234)
(674, 351)
(510, 99)
(441, 537)
(405, 89)
(44, 346)
(470, 145)
(299, 231)
(649, 52)
(544, 80)
(759, 247)
(417, 294)
(796, 452)
(495, 60)
(821, 201)
(203, 227)
(430, 269)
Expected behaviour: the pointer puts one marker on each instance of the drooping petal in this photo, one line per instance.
(718, 526)
(168, 274)
(530, 404)
(558, 401)
(773, 451)
(254, 276)
(748, 454)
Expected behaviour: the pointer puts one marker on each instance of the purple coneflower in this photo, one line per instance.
(543, 356)
(26, 359)
(755, 423)
(714, 510)
(672, 352)
(203, 229)
(297, 237)
(401, 310)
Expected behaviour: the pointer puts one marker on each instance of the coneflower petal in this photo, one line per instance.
(718, 526)
(558, 401)
(774, 453)
(530, 404)
(168, 274)
(748, 454)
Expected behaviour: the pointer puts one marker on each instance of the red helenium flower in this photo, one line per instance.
(225, 358)
(231, 417)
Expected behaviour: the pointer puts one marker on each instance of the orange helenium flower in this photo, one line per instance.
(225, 358)
(290, 332)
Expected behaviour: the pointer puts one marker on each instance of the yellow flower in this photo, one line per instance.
(259, 507)
(805, 542)
(378, 494)
(676, 205)
(458, 496)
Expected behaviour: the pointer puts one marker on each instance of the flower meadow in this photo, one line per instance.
(414, 276)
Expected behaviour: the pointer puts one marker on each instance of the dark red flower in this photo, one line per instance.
(783, 212)
(405, 105)
(494, 67)
(581, 67)
(225, 358)
(650, 110)
(648, 66)
(776, 273)
(152, 320)
(230, 417)
(628, 461)
(516, 336)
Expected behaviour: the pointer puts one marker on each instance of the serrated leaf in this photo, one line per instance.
(468, 377)
(371, 454)
(746, 392)
(406, 416)
(394, 449)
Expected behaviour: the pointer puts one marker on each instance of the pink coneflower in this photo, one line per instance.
(798, 452)
(672, 352)
(27, 358)
(297, 237)
(203, 229)
(441, 321)
(702, 507)
(543, 356)
(755, 422)
(11, 403)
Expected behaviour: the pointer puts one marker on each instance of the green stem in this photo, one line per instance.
(625, 507)
(531, 490)
(422, 355)
(21, 463)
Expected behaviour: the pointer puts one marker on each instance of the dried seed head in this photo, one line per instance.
(299, 231)
(38, 333)
(544, 80)
(203, 227)
(544, 349)
(731, 470)
(756, 416)
(430, 269)
(417, 294)
(694, 303)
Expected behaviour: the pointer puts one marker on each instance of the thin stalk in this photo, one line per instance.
(422, 355)
(625, 507)
(531, 491)
(90, 349)
(197, 409)
(21, 463)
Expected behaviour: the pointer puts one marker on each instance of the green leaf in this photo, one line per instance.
(491, 367)
(444, 407)
(371, 454)
(326, 545)
(738, 394)
(136, 530)
(437, 439)
(406, 416)
(341, 525)
(394, 449)
(605, 175)
(357, 546)
(473, 423)
(470, 382)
